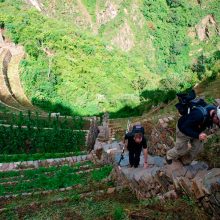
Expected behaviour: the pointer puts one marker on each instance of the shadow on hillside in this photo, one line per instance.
(51, 107)
(149, 99)
(155, 97)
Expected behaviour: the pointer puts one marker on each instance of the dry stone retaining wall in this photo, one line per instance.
(43, 163)
(92, 134)
(162, 136)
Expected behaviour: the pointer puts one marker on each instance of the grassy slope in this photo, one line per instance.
(118, 206)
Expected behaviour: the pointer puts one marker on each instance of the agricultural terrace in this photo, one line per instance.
(32, 136)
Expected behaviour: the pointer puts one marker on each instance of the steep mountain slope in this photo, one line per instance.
(112, 54)
(60, 56)
(165, 34)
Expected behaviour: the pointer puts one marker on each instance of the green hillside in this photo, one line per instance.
(86, 57)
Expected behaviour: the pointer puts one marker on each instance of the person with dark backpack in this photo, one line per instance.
(196, 117)
(135, 142)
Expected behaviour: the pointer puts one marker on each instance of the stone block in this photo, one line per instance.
(50, 161)
(166, 119)
(137, 175)
(186, 185)
(169, 169)
(170, 118)
(212, 177)
(214, 199)
(161, 121)
(35, 164)
(194, 168)
(11, 166)
(84, 157)
(147, 177)
(159, 146)
(170, 195)
(79, 158)
(200, 174)
(5, 167)
(164, 125)
(197, 189)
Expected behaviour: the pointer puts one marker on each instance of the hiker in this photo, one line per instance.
(190, 134)
(134, 142)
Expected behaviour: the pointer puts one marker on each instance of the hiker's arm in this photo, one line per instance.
(145, 157)
(125, 141)
(126, 144)
(145, 152)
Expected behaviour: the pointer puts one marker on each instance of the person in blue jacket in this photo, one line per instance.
(190, 134)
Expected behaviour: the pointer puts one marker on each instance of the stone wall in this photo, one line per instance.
(173, 181)
(92, 134)
(162, 136)
(103, 137)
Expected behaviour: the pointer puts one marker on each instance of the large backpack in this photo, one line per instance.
(188, 102)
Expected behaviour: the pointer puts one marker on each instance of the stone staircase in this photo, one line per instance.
(160, 179)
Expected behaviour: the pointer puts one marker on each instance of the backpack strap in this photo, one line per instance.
(204, 112)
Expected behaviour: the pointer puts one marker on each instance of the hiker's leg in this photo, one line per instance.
(197, 147)
(181, 146)
(131, 158)
(137, 158)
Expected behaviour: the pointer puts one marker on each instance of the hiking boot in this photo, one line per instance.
(185, 160)
(168, 161)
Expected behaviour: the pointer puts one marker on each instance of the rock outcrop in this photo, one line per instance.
(36, 4)
(125, 38)
(206, 28)
(106, 15)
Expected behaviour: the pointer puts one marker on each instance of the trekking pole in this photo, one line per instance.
(122, 155)
(123, 149)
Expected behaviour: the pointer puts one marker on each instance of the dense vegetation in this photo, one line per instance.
(33, 136)
(31, 140)
(164, 59)
(37, 120)
(95, 77)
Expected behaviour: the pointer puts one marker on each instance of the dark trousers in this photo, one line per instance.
(134, 157)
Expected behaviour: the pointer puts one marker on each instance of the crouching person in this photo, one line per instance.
(135, 142)
(190, 134)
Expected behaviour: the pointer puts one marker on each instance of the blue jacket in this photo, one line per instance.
(193, 123)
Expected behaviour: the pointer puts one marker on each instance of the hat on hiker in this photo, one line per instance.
(218, 114)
